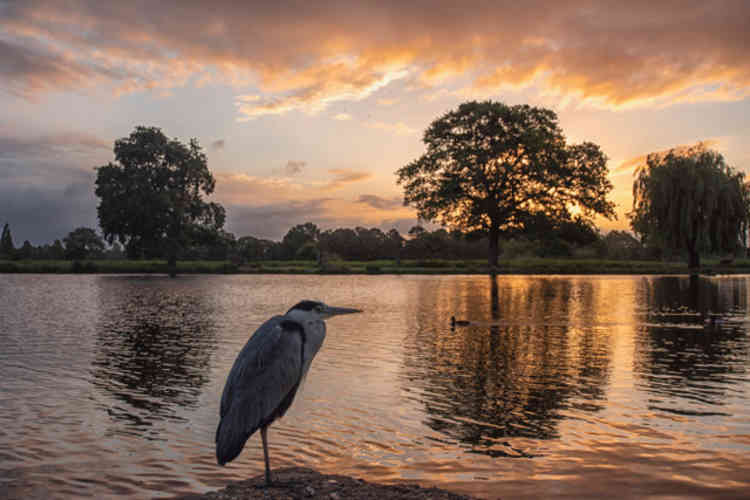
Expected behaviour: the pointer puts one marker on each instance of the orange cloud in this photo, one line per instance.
(633, 164)
(381, 203)
(387, 102)
(343, 177)
(306, 56)
(244, 189)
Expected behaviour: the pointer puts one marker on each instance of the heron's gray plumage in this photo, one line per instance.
(266, 375)
(264, 380)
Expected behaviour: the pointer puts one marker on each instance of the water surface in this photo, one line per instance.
(585, 386)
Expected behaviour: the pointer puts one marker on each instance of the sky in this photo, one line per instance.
(307, 109)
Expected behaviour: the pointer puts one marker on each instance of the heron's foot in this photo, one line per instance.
(269, 480)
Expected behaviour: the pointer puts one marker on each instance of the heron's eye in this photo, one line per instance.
(319, 308)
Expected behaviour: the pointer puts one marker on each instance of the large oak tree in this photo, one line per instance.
(151, 197)
(490, 167)
(691, 201)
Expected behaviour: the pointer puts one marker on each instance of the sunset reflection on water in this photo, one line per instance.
(584, 386)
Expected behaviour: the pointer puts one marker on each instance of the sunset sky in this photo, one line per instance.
(306, 109)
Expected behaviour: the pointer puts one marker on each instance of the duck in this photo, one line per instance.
(459, 322)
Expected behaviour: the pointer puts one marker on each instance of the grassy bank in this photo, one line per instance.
(511, 266)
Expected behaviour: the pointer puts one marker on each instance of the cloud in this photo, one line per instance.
(52, 159)
(47, 182)
(387, 102)
(26, 71)
(379, 202)
(268, 206)
(272, 221)
(243, 189)
(292, 56)
(217, 145)
(291, 168)
(631, 165)
(42, 213)
(399, 128)
(342, 116)
(294, 167)
(343, 177)
(12, 145)
(313, 89)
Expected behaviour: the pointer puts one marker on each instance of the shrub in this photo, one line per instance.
(373, 269)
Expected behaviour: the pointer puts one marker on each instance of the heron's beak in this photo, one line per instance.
(335, 311)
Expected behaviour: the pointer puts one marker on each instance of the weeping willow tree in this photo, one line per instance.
(690, 201)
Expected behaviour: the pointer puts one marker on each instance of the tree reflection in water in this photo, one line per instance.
(154, 343)
(692, 346)
(531, 351)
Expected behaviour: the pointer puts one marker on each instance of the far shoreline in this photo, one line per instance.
(517, 266)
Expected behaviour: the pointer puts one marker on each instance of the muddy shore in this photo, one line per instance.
(301, 483)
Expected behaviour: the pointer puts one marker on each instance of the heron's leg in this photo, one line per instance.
(263, 436)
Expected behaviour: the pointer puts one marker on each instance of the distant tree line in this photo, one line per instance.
(81, 243)
(543, 238)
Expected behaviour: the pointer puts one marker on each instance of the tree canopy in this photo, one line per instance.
(301, 241)
(491, 168)
(690, 201)
(151, 197)
(7, 249)
(83, 243)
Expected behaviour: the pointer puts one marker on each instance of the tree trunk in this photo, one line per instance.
(694, 260)
(172, 265)
(492, 258)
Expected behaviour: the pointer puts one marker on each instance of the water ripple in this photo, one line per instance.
(558, 387)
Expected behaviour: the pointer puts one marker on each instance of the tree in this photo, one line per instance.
(372, 243)
(394, 245)
(83, 243)
(622, 245)
(26, 252)
(691, 201)
(299, 236)
(7, 250)
(57, 251)
(341, 242)
(489, 167)
(152, 196)
(254, 249)
(114, 252)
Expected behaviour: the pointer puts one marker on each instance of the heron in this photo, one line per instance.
(266, 375)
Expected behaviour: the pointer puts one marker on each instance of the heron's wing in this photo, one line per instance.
(263, 378)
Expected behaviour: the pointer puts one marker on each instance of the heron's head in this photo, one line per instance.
(311, 309)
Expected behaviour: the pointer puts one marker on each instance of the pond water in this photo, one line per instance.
(563, 386)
